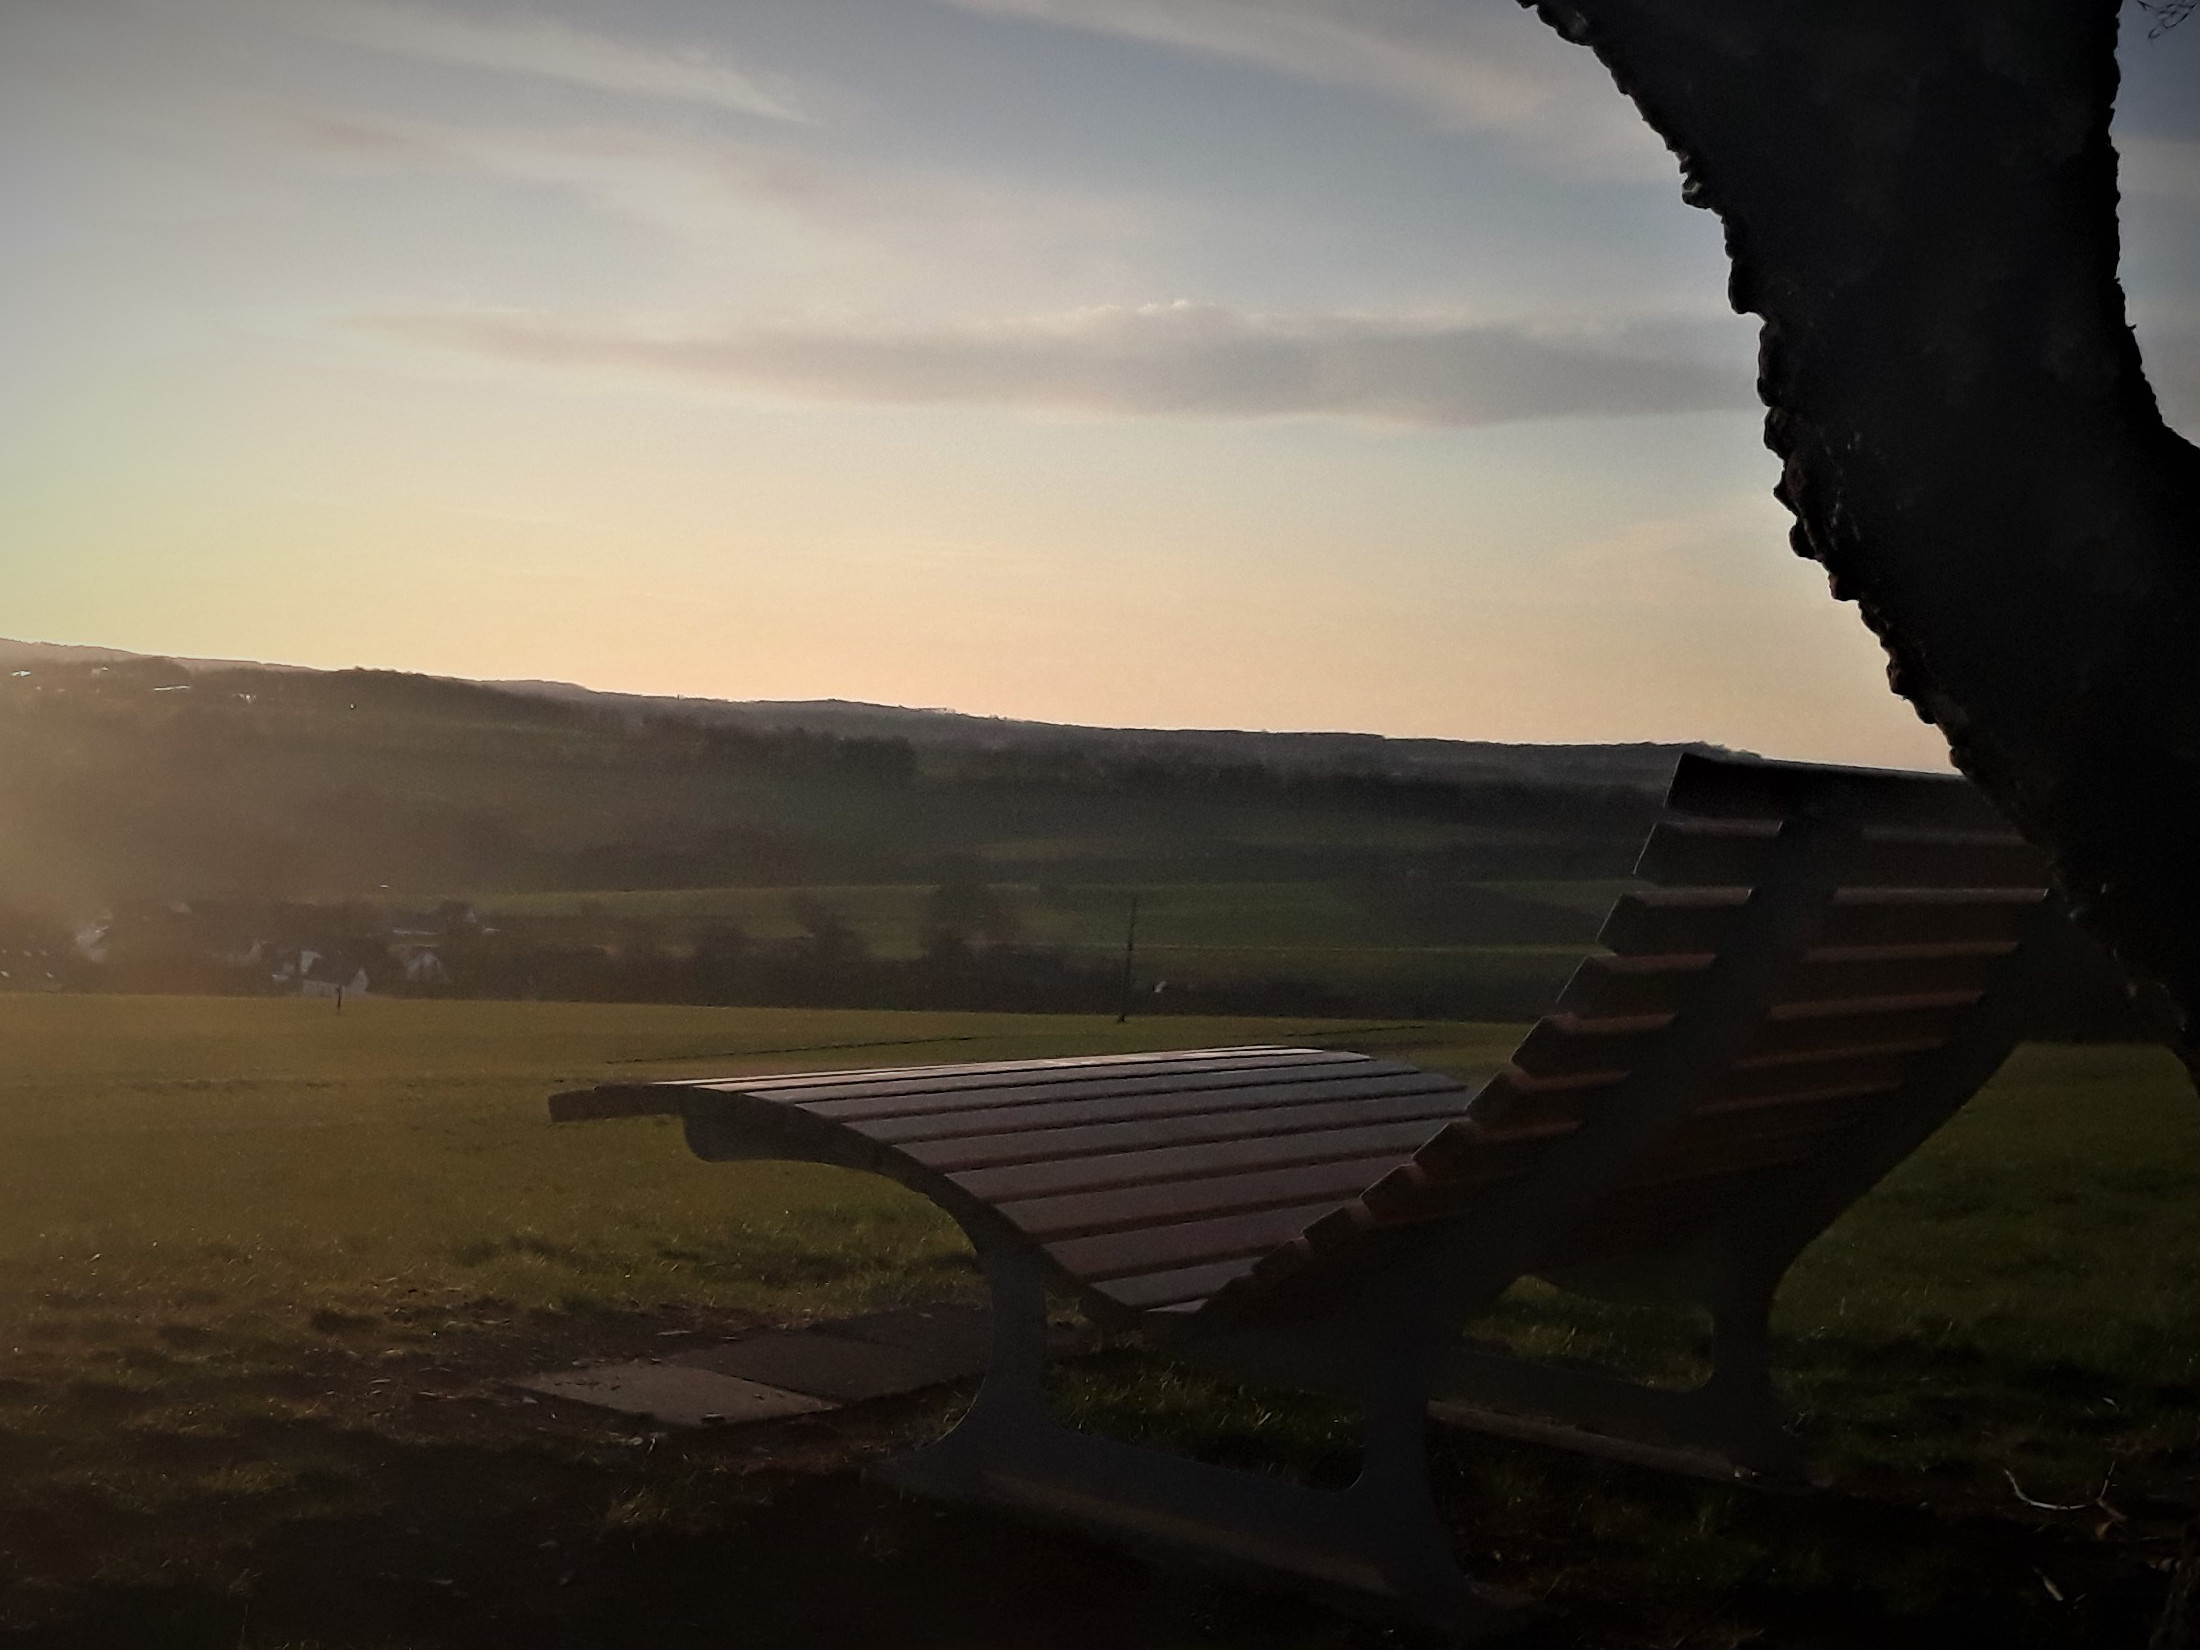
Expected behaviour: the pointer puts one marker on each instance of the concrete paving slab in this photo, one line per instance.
(961, 1335)
(771, 1373)
(676, 1394)
(964, 1333)
(830, 1365)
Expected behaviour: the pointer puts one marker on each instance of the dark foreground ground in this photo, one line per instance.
(264, 1274)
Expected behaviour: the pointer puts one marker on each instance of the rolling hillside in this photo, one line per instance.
(191, 779)
(202, 817)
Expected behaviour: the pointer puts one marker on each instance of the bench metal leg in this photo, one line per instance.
(1377, 1542)
(1739, 1406)
(1732, 1425)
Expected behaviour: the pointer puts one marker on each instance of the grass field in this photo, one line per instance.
(1240, 915)
(264, 1267)
(1495, 944)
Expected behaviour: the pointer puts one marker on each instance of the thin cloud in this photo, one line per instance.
(367, 140)
(721, 187)
(541, 47)
(1181, 359)
(1473, 65)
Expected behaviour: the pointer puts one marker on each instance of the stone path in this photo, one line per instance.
(769, 1374)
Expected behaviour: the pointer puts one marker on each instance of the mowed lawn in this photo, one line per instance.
(261, 1156)
(265, 1269)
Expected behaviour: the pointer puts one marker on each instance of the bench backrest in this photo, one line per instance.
(1816, 978)
(1842, 931)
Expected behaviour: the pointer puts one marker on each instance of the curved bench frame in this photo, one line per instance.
(1377, 1540)
(1368, 1303)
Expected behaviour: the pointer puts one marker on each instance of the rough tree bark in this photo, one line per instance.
(1919, 199)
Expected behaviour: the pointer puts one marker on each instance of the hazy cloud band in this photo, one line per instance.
(1473, 65)
(1153, 360)
(539, 46)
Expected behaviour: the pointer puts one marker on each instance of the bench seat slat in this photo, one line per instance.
(1011, 1081)
(1163, 1248)
(1774, 790)
(1696, 921)
(1476, 1158)
(1513, 1096)
(1660, 984)
(1463, 1167)
(977, 1072)
(1544, 1116)
(1171, 1202)
(1699, 853)
(1279, 1098)
(992, 1151)
(1222, 1157)
(1631, 985)
(939, 1100)
(1563, 1045)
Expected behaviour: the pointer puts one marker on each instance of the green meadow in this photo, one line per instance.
(265, 1269)
(1509, 944)
(1246, 916)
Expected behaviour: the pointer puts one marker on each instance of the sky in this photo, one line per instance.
(1344, 364)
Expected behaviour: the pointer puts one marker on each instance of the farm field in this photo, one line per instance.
(265, 1267)
(1245, 916)
(1504, 944)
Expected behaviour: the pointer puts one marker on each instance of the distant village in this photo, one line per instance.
(262, 947)
(968, 958)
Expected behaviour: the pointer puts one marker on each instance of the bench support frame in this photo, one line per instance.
(1377, 1540)
(1399, 1353)
(1370, 1306)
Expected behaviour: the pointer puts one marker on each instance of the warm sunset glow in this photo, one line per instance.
(1305, 365)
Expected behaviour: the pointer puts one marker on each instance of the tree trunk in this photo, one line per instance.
(1919, 199)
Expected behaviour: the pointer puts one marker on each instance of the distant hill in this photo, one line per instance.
(1645, 765)
(551, 840)
(1631, 764)
(16, 655)
(184, 779)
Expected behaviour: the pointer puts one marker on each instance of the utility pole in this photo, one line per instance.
(1130, 954)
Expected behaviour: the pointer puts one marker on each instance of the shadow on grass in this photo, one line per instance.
(494, 1548)
(314, 1535)
(368, 1492)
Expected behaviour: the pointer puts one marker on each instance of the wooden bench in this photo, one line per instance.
(1827, 963)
